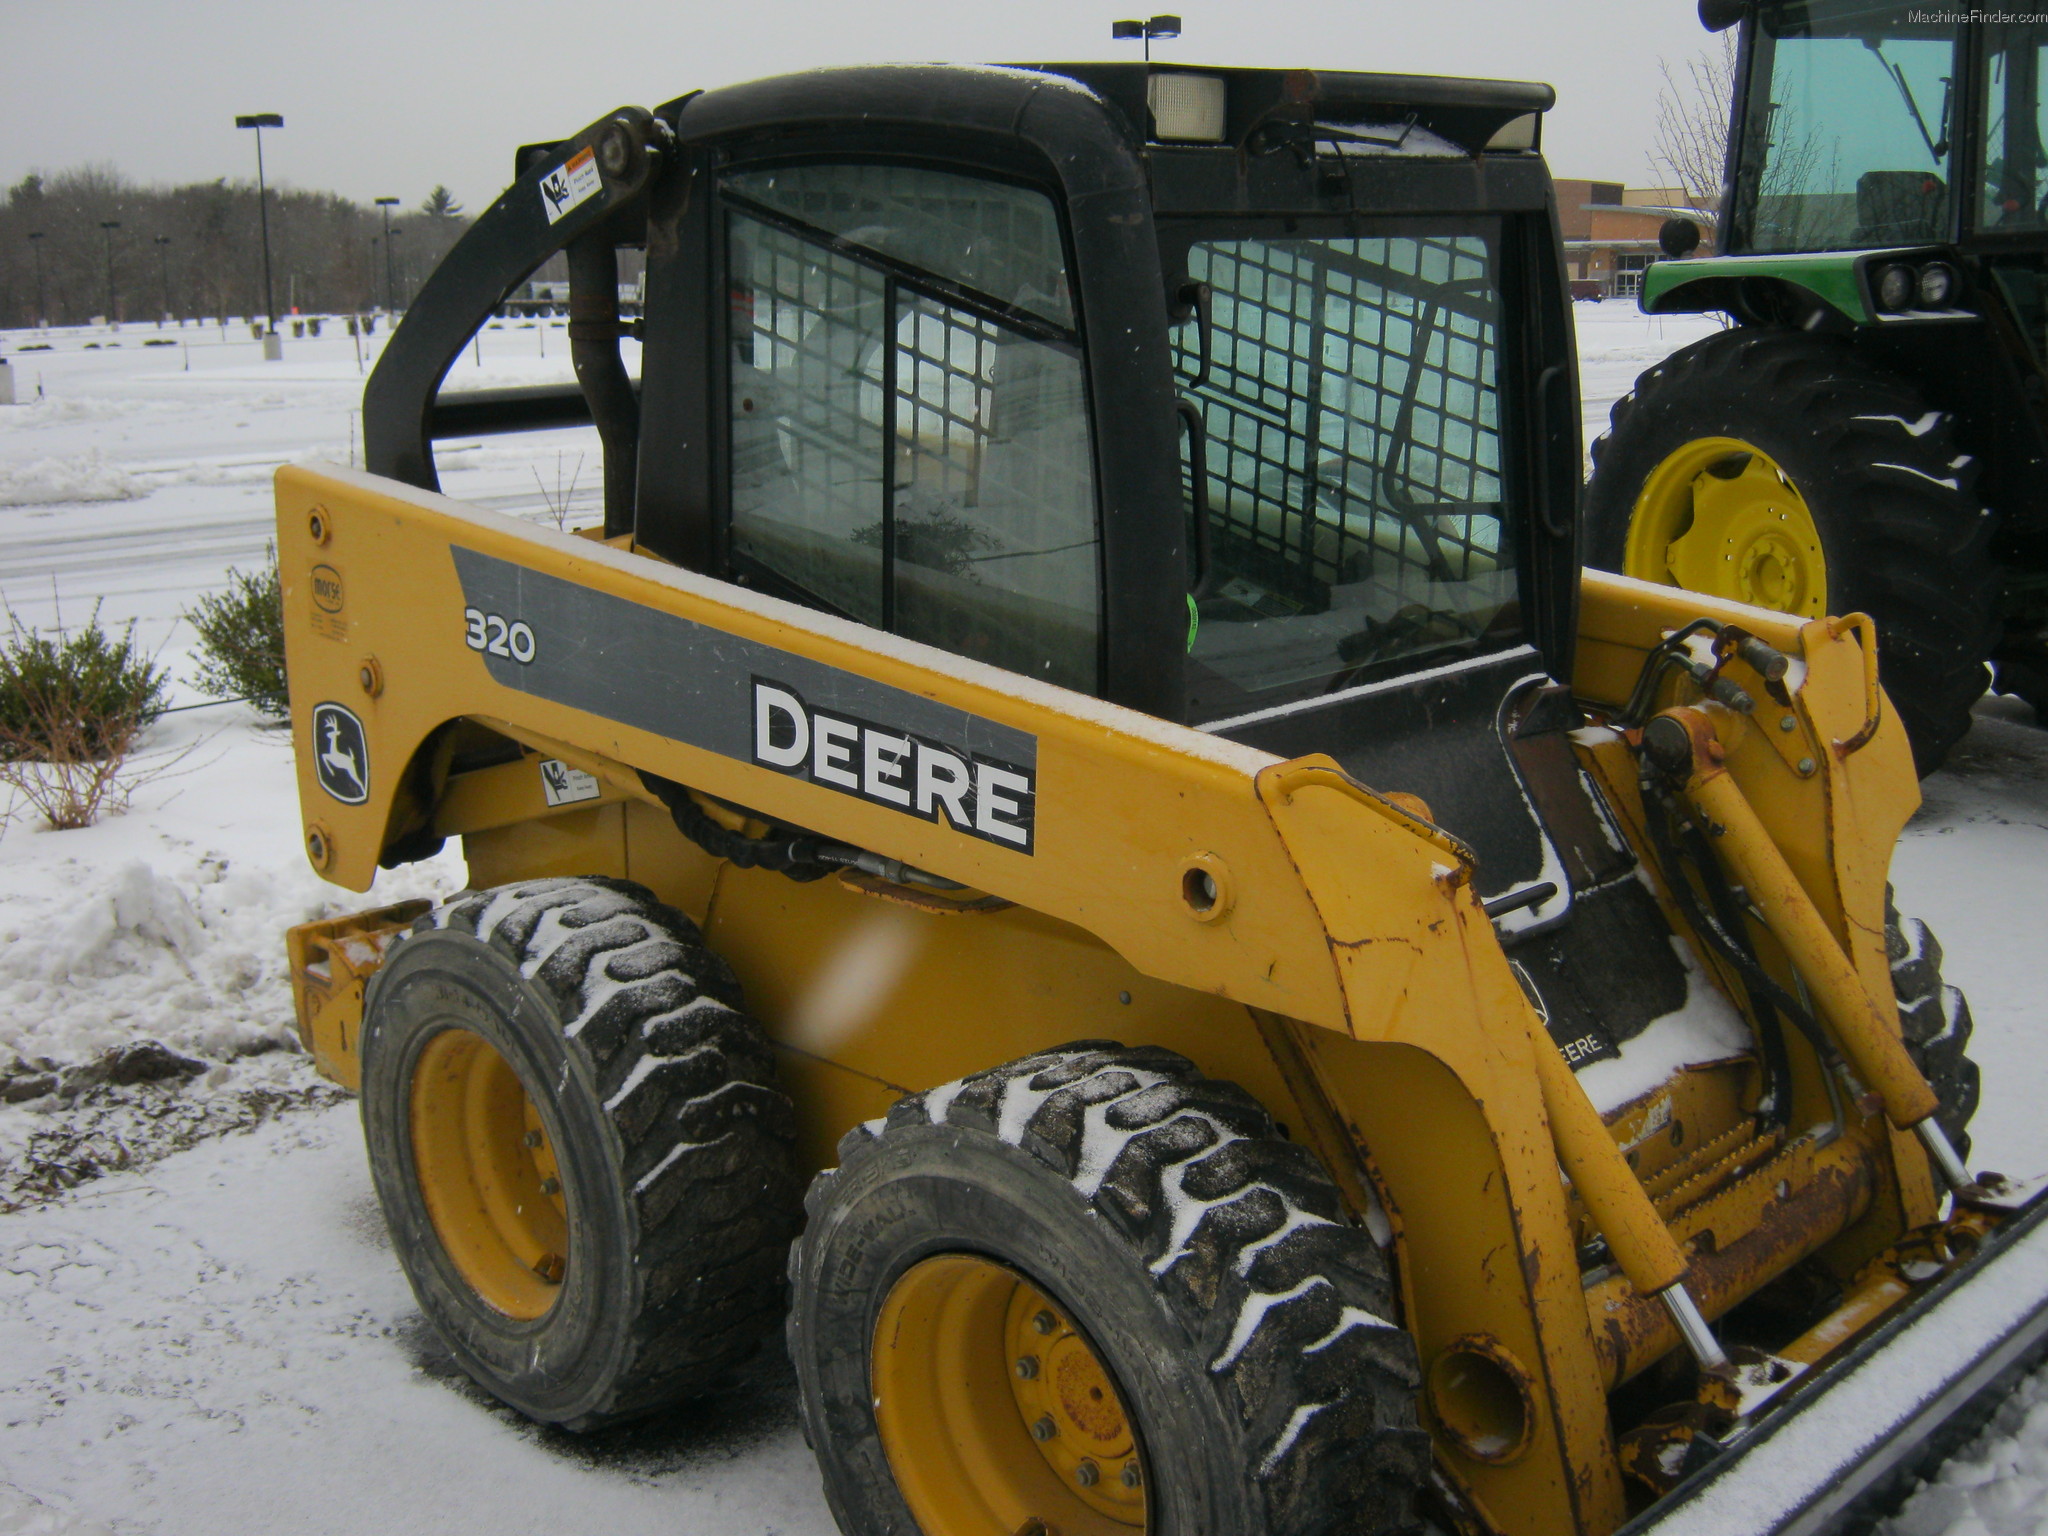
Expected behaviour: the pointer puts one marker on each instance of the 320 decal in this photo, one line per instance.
(491, 634)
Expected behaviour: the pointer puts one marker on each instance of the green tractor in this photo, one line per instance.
(1869, 433)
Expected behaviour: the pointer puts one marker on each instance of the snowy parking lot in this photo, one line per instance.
(201, 1326)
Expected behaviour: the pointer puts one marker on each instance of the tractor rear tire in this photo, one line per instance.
(579, 1147)
(1874, 474)
(1935, 1019)
(1107, 1219)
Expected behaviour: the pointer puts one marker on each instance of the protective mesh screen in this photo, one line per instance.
(1354, 483)
(909, 461)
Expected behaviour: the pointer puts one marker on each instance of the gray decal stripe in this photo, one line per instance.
(686, 681)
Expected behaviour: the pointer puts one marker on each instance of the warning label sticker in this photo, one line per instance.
(571, 185)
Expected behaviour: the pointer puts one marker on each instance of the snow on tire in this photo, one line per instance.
(1248, 1324)
(1935, 1020)
(572, 1041)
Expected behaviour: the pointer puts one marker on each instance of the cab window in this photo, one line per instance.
(909, 425)
(1849, 133)
(1352, 468)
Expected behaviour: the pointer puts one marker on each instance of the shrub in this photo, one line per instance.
(72, 706)
(241, 641)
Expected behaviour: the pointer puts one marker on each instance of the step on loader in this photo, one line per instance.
(1077, 839)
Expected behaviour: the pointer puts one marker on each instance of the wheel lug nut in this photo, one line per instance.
(1045, 1322)
(1027, 1367)
(532, 1138)
(1044, 1429)
(551, 1186)
(1086, 1475)
(1131, 1475)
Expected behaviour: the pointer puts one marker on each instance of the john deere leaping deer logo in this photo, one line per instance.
(341, 754)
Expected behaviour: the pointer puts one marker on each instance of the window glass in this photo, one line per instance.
(909, 457)
(1354, 485)
(1000, 241)
(994, 495)
(807, 467)
(1851, 143)
(2015, 193)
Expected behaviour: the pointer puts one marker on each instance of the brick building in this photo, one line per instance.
(1610, 233)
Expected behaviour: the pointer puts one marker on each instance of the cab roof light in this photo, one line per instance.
(1186, 108)
(1517, 132)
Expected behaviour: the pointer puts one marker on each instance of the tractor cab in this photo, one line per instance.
(1880, 126)
(1871, 435)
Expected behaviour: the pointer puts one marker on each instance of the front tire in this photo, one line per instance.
(1095, 1290)
(1781, 469)
(581, 1154)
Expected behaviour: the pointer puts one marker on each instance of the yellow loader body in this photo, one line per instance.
(458, 673)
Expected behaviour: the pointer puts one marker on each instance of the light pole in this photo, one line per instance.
(35, 243)
(163, 251)
(390, 272)
(390, 250)
(1157, 26)
(110, 225)
(260, 121)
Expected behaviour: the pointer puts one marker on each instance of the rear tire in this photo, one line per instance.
(1935, 1019)
(581, 1154)
(1242, 1323)
(1903, 535)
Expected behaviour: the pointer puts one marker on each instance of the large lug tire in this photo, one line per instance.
(1098, 1290)
(1935, 1019)
(1781, 469)
(579, 1147)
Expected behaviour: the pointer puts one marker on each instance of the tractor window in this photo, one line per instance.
(2015, 191)
(909, 448)
(1848, 140)
(1354, 486)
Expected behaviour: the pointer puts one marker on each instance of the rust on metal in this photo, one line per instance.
(1632, 1331)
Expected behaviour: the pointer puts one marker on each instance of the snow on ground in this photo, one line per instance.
(202, 1326)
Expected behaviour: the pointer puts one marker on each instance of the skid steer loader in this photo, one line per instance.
(1082, 736)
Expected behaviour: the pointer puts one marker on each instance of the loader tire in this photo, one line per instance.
(1098, 1291)
(1935, 1019)
(1780, 468)
(577, 1140)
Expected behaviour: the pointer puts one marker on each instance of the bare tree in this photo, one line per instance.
(1691, 146)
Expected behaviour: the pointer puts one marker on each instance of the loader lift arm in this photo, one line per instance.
(562, 193)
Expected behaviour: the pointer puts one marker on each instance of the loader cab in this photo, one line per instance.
(1203, 391)
(1242, 398)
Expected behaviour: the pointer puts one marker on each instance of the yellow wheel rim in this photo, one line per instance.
(488, 1174)
(1720, 517)
(997, 1415)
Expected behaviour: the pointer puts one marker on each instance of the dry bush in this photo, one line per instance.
(73, 705)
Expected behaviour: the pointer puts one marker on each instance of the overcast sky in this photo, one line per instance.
(390, 97)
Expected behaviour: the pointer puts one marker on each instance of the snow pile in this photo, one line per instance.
(189, 953)
(147, 1006)
(1997, 1487)
(59, 481)
(21, 1515)
(32, 414)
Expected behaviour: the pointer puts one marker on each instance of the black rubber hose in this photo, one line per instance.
(798, 855)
